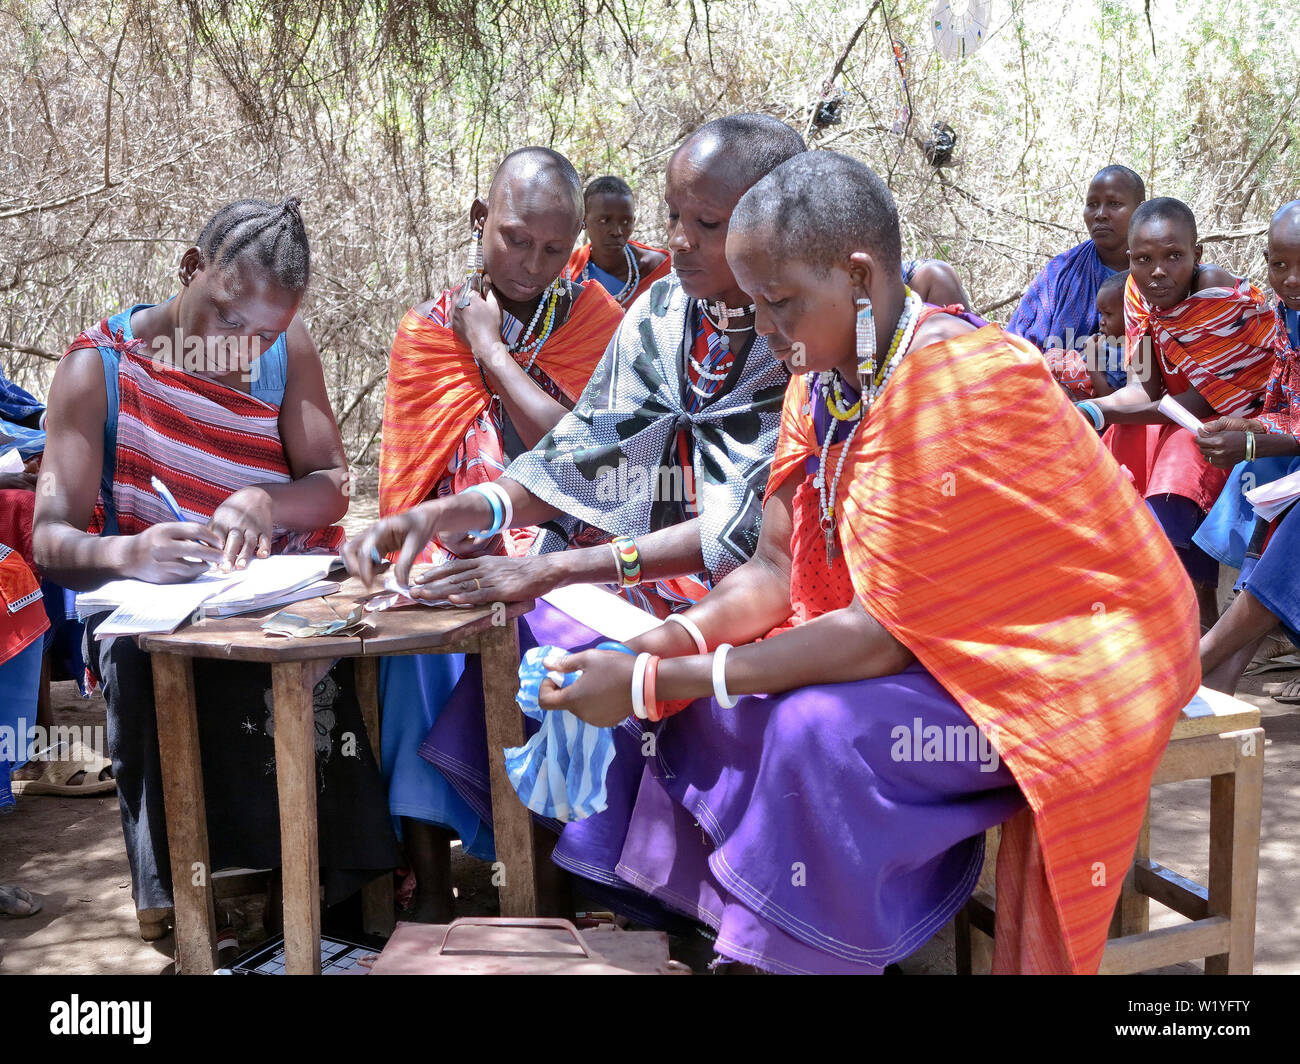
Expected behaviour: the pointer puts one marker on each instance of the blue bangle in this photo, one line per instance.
(498, 513)
(1094, 415)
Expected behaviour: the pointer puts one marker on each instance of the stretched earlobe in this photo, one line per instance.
(478, 212)
(191, 265)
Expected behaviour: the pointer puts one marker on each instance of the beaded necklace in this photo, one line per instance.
(828, 384)
(633, 276)
(724, 314)
(560, 286)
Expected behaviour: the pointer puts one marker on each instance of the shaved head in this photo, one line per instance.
(542, 175)
(1126, 176)
(819, 208)
(739, 149)
(1164, 209)
(1286, 221)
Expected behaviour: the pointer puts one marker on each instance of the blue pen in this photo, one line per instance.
(168, 500)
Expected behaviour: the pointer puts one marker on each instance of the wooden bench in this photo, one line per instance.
(1218, 738)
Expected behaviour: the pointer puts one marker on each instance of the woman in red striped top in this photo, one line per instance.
(219, 393)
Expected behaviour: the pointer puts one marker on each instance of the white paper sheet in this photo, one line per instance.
(11, 461)
(1272, 498)
(1179, 414)
(603, 611)
(139, 606)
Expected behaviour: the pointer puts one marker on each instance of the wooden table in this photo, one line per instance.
(488, 631)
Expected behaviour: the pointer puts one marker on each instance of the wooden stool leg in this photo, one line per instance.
(1235, 813)
(516, 868)
(962, 932)
(295, 769)
(186, 814)
(378, 912)
(1133, 912)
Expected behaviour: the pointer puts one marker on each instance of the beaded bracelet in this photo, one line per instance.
(628, 559)
(694, 629)
(724, 697)
(651, 683)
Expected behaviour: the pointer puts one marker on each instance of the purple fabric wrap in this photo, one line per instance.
(786, 824)
(1059, 309)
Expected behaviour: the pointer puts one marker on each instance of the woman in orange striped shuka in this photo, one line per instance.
(476, 377)
(1207, 339)
(958, 613)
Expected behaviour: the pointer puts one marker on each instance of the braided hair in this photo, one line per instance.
(272, 234)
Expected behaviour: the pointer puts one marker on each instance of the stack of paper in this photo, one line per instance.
(139, 607)
(1272, 498)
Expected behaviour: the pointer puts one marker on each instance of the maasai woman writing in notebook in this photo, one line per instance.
(219, 394)
(1202, 336)
(625, 267)
(1260, 450)
(668, 448)
(917, 550)
(476, 377)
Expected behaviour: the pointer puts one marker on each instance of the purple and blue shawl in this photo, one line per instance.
(1059, 309)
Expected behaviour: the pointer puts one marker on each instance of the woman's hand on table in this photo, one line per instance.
(172, 552)
(245, 526)
(479, 581)
(602, 695)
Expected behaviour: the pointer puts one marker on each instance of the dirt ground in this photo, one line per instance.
(69, 852)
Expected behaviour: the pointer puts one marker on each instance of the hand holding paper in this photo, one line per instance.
(1179, 414)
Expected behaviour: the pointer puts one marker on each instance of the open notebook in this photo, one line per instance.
(139, 607)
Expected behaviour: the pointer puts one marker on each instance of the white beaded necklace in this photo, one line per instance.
(534, 346)
(904, 331)
(633, 276)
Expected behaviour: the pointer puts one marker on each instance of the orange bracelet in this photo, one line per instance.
(651, 678)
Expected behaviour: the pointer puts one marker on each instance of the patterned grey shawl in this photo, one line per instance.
(611, 461)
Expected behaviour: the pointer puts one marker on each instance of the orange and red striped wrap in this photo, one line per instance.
(1000, 542)
(435, 391)
(1223, 342)
(581, 256)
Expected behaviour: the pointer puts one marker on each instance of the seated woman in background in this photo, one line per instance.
(219, 393)
(625, 267)
(1058, 310)
(1259, 451)
(815, 824)
(1207, 339)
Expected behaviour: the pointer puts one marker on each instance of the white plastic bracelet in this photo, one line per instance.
(508, 521)
(692, 628)
(720, 692)
(638, 686)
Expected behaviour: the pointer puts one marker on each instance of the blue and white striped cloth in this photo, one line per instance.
(560, 772)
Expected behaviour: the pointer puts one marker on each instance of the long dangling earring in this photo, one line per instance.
(473, 264)
(866, 344)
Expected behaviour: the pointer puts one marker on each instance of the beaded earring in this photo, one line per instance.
(866, 342)
(473, 264)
